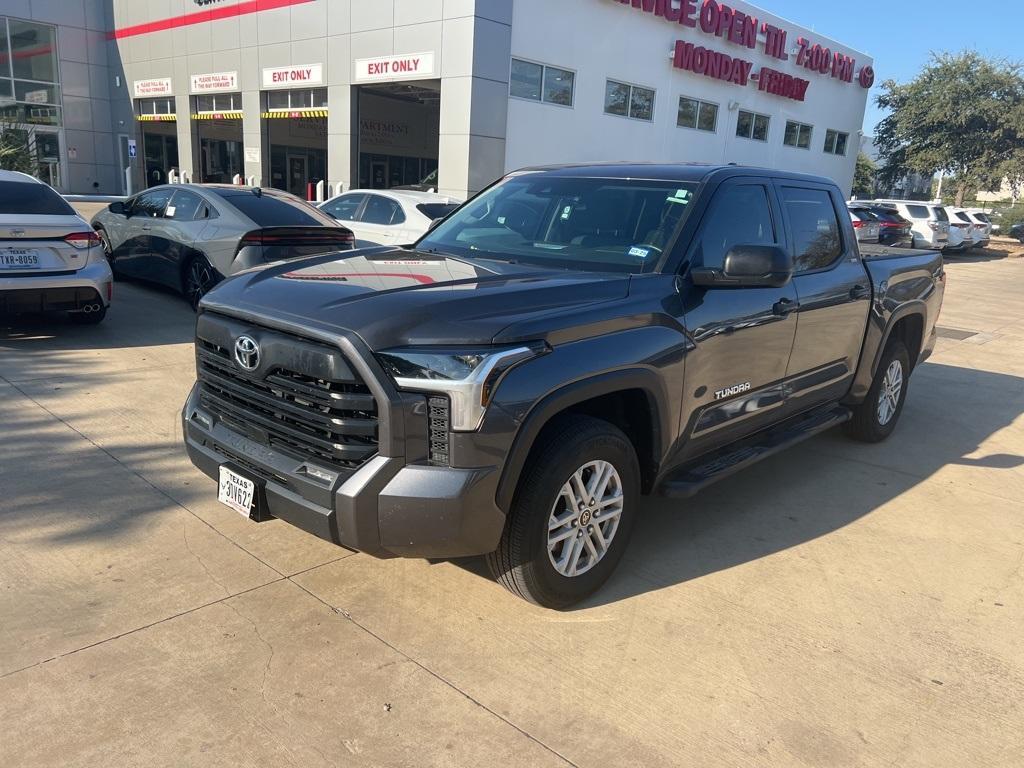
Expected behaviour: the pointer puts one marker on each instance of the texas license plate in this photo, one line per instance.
(237, 492)
(19, 258)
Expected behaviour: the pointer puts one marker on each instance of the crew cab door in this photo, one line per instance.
(833, 290)
(742, 336)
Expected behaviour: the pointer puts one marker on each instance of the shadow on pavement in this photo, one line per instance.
(816, 488)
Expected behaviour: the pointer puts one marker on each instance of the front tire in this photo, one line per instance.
(572, 514)
(875, 418)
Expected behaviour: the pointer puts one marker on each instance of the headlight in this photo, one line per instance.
(467, 376)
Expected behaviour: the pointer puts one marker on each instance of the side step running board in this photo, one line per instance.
(689, 479)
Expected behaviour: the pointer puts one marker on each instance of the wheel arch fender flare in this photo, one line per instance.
(911, 308)
(563, 399)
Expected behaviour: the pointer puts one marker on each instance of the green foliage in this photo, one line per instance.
(16, 152)
(864, 177)
(963, 114)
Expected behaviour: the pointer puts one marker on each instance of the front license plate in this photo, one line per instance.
(19, 258)
(237, 492)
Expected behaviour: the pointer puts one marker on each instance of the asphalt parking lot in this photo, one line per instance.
(839, 604)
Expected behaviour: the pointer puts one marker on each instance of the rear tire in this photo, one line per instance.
(575, 452)
(197, 279)
(107, 251)
(875, 418)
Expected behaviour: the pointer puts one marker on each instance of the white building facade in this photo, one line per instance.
(381, 93)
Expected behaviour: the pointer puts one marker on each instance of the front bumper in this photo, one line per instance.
(64, 291)
(388, 507)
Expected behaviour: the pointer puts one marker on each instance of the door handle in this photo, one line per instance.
(784, 306)
(860, 292)
(146, 227)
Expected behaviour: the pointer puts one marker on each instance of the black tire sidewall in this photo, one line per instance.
(543, 484)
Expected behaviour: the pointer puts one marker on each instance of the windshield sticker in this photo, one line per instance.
(681, 196)
(566, 212)
(639, 252)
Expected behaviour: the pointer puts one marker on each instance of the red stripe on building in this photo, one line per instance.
(201, 17)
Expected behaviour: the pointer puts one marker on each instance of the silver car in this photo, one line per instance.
(191, 236)
(50, 259)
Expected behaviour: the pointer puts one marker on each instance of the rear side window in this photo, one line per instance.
(963, 216)
(982, 217)
(270, 210)
(381, 210)
(863, 214)
(183, 206)
(740, 215)
(815, 227)
(886, 214)
(344, 207)
(436, 210)
(28, 198)
(940, 214)
(917, 211)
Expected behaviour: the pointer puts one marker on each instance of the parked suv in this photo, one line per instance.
(569, 340)
(50, 259)
(929, 222)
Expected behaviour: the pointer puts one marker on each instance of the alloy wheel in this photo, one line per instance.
(585, 518)
(889, 394)
(198, 280)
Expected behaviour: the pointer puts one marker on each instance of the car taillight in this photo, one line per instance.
(857, 223)
(934, 226)
(82, 240)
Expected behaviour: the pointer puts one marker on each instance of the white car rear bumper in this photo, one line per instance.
(68, 291)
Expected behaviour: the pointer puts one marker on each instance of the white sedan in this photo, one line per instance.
(388, 217)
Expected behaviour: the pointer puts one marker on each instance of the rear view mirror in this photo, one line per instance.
(117, 207)
(748, 266)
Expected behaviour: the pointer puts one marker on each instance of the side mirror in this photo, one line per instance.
(118, 206)
(748, 266)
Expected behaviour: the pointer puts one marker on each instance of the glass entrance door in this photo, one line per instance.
(298, 175)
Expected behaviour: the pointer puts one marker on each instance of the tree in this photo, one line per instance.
(964, 115)
(864, 176)
(17, 152)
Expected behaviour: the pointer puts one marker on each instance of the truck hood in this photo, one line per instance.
(394, 297)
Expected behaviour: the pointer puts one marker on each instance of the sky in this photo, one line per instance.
(901, 34)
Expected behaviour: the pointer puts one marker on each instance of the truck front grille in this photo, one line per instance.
(326, 421)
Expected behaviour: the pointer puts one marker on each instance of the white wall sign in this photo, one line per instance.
(293, 77)
(157, 86)
(215, 81)
(252, 154)
(133, 150)
(400, 67)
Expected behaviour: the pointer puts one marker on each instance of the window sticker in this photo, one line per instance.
(641, 253)
(169, 212)
(566, 212)
(681, 196)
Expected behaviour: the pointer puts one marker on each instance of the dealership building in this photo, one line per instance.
(382, 93)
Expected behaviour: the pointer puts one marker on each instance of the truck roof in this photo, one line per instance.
(668, 171)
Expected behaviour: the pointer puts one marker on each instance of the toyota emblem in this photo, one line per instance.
(247, 353)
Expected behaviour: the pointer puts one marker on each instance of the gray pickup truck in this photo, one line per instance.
(567, 341)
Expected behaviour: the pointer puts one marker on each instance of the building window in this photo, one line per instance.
(701, 115)
(797, 135)
(835, 142)
(28, 73)
(162, 106)
(539, 82)
(299, 98)
(219, 102)
(628, 101)
(750, 125)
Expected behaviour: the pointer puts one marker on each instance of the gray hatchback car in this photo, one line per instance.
(191, 236)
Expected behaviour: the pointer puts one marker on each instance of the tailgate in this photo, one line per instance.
(36, 244)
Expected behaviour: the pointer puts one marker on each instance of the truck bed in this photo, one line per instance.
(872, 252)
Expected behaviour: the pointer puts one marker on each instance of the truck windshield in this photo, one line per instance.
(610, 225)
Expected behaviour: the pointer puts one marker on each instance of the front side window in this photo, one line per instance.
(381, 210)
(739, 215)
(344, 207)
(627, 100)
(797, 135)
(606, 225)
(701, 115)
(835, 142)
(151, 204)
(750, 125)
(815, 227)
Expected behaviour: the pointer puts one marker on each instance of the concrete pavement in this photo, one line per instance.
(839, 604)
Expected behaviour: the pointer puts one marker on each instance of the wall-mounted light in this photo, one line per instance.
(117, 81)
